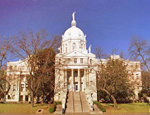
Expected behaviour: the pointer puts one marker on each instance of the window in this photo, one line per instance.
(75, 73)
(9, 97)
(68, 74)
(82, 73)
(59, 61)
(74, 46)
(14, 87)
(10, 67)
(75, 60)
(90, 61)
(26, 98)
(69, 60)
(81, 46)
(81, 60)
(22, 87)
(15, 67)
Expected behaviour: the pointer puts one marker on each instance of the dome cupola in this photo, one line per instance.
(73, 33)
(73, 38)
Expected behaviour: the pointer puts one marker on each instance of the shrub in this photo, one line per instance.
(58, 103)
(52, 108)
(102, 108)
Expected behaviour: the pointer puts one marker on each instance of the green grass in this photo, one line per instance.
(22, 108)
(128, 108)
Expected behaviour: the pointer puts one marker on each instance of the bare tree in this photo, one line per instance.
(29, 45)
(4, 49)
(140, 49)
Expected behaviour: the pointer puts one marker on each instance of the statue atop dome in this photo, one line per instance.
(73, 16)
(73, 23)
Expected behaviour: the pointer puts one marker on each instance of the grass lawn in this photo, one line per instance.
(128, 108)
(23, 108)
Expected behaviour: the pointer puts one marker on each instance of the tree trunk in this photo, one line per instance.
(32, 99)
(114, 101)
(113, 98)
(4, 98)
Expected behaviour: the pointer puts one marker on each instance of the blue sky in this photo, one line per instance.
(107, 23)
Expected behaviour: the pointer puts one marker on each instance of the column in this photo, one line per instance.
(64, 78)
(84, 78)
(79, 80)
(66, 85)
(23, 98)
(88, 77)
(24, 86)
(72, 80)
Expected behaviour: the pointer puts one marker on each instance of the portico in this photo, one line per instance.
(75, 79)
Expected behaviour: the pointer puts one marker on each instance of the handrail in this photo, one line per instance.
(73, 102)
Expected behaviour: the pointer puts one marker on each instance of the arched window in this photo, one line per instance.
(81, 46)
(66, 48)
(63, 48)
(74, 46)
(90, 61)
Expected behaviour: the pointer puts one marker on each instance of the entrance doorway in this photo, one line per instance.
(68, 86)
(82, 89)
(76, 86)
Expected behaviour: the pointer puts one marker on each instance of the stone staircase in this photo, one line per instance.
(77, 103)
(84, 102)
(70, 107)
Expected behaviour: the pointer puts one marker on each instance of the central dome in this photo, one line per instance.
(73, 33)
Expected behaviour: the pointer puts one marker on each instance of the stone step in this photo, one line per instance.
(77, 103)
(84, 102)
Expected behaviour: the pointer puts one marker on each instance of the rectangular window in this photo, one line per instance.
(59, 61)
(69, 60)
(14, 87)
(81, 60)
(22, 87)
(75, 73)
(11, 68)
(75, 60)
(90, 61)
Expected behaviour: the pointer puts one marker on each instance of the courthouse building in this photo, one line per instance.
(75, 70)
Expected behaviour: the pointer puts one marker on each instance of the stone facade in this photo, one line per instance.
(75, 70)
(16, 75)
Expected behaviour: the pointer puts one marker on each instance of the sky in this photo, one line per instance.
(108, 24)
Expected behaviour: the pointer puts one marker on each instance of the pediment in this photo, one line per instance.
(75, 54)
